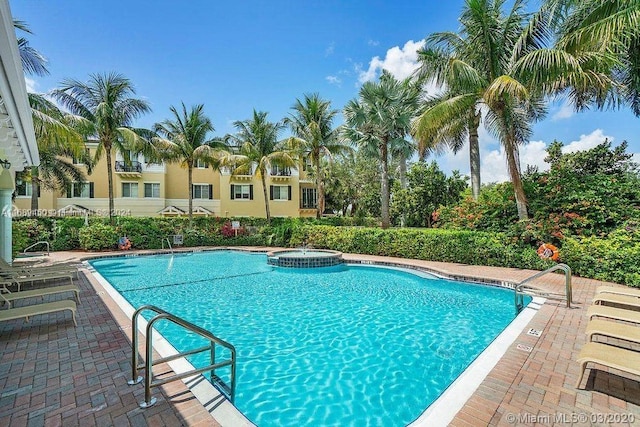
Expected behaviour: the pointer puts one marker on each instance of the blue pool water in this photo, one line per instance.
(346, 345)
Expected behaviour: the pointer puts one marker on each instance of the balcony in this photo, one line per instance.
(280, 174)
(131, 169)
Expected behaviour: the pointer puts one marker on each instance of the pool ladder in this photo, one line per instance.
(39, 243)
(522, 289)
(166, 239)
(148, 363)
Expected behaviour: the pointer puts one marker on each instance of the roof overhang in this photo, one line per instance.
(200, 210)
(171, 210)
(17, 138)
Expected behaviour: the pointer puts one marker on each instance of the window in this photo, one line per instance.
(280, 192)
(202, 191)
(129, 189)
(129, 163)
(309, 198)
(242, 191)
(129, 155)
(23, 189)
(80, 189)
(201, 164)
(151, 189)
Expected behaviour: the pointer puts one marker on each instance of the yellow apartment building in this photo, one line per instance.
(141, 188)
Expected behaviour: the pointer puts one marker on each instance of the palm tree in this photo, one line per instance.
(105, 102)
(184, 140)
(611, 27)
(256, 143)
(33, 62)
(312, 124)
(499, 65)
(451, 117)
(57, 133)
(379, 119)
(59, 136)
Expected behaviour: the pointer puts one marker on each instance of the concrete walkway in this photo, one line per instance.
(55, 374)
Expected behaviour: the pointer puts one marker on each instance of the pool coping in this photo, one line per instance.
(441, 412)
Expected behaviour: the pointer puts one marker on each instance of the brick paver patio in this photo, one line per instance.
(55, 374)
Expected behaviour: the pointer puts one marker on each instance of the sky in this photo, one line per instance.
(236, 56)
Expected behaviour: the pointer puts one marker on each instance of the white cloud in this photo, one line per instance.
(564, 112)
(587, 142)
(31, 85)
(493, 167)
(636, 158)
(334, 80)
(373, 42)
(329, 50)
(494, 163)
(533, 154)
(401, 62)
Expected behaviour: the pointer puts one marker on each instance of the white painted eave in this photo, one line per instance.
(17, 137)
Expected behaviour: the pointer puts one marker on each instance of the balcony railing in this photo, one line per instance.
(280, 171)
(132, 166)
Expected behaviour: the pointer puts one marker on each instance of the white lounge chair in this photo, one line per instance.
(613, 313)
(618, 290)
(607, 355)
(606, 328)
(18, 279)
(607, 298)
(9, 296)
(37, 309)
(31, 269)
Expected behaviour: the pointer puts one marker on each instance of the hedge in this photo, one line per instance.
(467, 247)
(615, 258)
(145, 233)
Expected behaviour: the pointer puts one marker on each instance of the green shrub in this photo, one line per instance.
(98, 236)
(66, 233)
(615, 258)
(144, 233)
(27, 231)
(467, 247)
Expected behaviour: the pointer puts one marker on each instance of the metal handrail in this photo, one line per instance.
(166, 239)
(36, 244)
(133, 166)
(519, 296)
(149, 362)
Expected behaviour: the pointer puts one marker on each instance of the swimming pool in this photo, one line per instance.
(349, 345)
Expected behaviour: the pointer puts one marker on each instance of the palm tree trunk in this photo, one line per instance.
(403, 183)
(403, 171)
(384, 208)
(34, 190)
(320, 189)
(190, 183)
(110, 166)
(516, 181)
(474, 154)
(266, 196)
